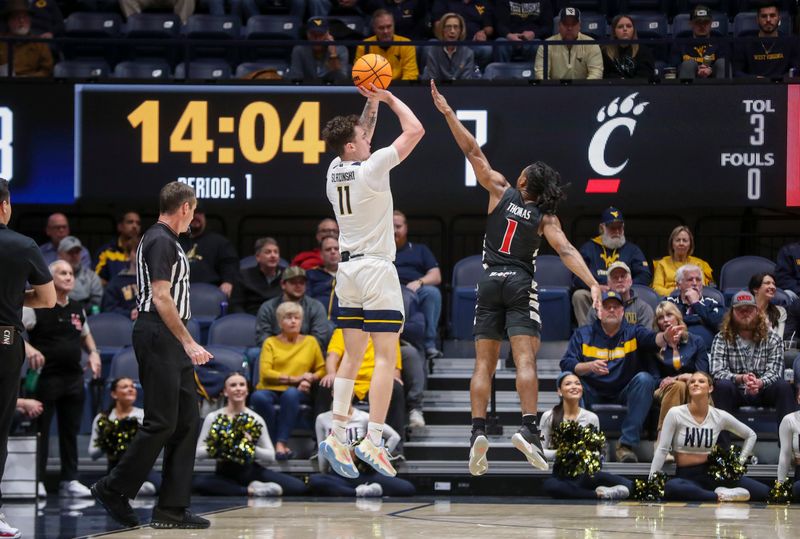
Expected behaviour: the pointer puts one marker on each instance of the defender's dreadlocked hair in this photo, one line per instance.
(544, 184)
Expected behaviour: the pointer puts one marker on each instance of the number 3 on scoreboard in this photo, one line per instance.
(344, 200)
(508, 237)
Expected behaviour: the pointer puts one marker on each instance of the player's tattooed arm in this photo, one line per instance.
(369, 117)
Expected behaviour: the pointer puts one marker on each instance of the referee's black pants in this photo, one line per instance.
(171, 417)
(63, 395)
(11, 358)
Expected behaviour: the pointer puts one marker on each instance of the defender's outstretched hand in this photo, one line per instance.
(438, 99)
(375, 93)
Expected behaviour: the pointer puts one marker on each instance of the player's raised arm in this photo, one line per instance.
(369, 117)
(411, 126)
(551, 230)
(490, 179)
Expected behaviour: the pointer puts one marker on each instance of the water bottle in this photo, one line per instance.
(788, 375)
(32, 381)
(223, 308)
(94, 309)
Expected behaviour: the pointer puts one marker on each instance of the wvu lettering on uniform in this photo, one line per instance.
(698, 437)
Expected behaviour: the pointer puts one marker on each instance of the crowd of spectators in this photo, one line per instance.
(499, 31)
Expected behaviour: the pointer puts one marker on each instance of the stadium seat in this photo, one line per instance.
(717, 6)
(653, 26)
(466, 274)
(611, 417)
(682, 25)
(760, 419)
(111, 333)
(236, 330)
(735, 274)
(647, 294)
(205, 69)
(123, 365)
(555, 308)
(213, 27)
(89, 27)
(786, 6)
(745, 24)
(641, 6)
(195, 331)
(244, 69)
(593, 24)
(593, 6)
(712, 292)
(508, 70)
(272, 27)
(206, 303)
(232, 358)
(82, 69)
(348, 27)
(162, 26)
(143, 69)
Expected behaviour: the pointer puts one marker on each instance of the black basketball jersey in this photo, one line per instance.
(512, 233)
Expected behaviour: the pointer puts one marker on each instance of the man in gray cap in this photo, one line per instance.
(88, 289)
(637, 311)
(703, 55)
(315, 317)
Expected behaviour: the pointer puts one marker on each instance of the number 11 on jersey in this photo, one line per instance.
(508, 237)
(344, 200)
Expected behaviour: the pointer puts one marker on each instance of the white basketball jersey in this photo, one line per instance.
(361, 197)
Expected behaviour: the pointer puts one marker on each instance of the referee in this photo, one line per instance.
(166, 354)
(22, 262)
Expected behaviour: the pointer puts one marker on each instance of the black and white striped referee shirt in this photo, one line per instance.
(161, 258)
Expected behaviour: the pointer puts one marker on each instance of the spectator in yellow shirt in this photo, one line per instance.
(402, 58)
(289, 366)
(397, 406)
(681, 248)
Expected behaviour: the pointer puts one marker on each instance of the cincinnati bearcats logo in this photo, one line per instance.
(612, 117)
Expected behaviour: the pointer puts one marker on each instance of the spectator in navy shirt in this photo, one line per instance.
(702, 314)
(321, 280)
(419, 271)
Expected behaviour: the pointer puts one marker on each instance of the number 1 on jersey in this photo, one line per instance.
(344, 200)
(508, 237)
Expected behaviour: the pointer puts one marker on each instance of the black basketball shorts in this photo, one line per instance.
(508, 303)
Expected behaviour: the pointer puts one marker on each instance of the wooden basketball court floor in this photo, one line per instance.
(496, 518)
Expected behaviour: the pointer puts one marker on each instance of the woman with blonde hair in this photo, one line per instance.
(676, 364)
(681, 249)
(290, 364)
(623, 60)
(447, 61)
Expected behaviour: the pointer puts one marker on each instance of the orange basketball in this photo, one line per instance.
(372, 68)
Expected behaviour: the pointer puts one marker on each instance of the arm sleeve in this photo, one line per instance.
(95, 452)
(428, 260)
(265, 322)
(38, 273)
(646, 338)
(573, 354)
(781, 329)
(595, 64)
(645, 316)
(660, 284)
(201, 450)
(319, 362)
(409, 59)
(267, 363)
(377, 167)
(318, 317)
(160, 258)
(741, 430)
(708, 273)
(639, 266)
(538, 64)
(337, 343)
(546, 431)
(265, 452)
(709, 312)
(701, 355)
(774, 363)
(785, 457)
(431, 70)
(786, 273)
(664, 441)
(720, 370)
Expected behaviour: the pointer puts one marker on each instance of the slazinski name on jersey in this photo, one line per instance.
(349, 176)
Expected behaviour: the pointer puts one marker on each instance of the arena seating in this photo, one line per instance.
(735, 274)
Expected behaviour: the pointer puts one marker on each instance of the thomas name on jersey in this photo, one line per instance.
(518, 211)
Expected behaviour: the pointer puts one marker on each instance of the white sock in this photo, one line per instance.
(342, 396)
(340, 430)
(375, 433)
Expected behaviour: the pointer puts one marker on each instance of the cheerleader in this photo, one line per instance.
(789, 457)
(123, 393)
(692, 430)
(252, 478)
(369, 483)
(600, 485)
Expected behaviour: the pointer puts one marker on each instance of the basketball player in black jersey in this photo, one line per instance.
(507, 297)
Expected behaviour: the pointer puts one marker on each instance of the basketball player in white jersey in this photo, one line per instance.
(370, 298)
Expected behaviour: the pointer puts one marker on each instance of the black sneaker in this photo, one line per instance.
(528, 442)
(186, 520)
(117, 505)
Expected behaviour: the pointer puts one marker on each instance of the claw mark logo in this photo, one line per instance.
(611, 117)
